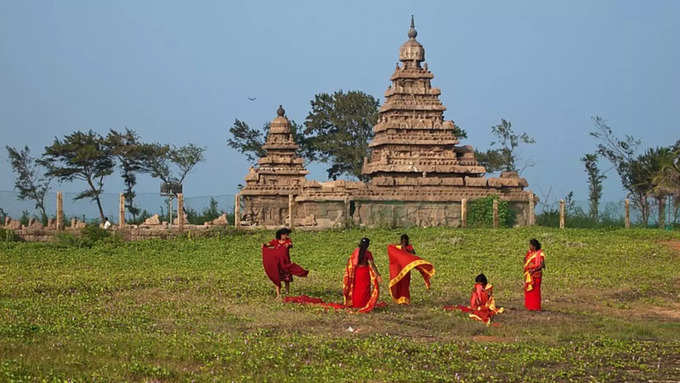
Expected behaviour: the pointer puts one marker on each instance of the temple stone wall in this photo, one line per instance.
(320, 214)
(402, 214)
(521, 209)
(265, 210)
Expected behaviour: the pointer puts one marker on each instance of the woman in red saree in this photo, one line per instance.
(403, 259)
(482, 303)
(276, 261)
(534, 263)
(360, 275)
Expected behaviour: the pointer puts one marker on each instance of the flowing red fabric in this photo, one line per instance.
(482, 304)
(277, 265)
(401, 264)
(532, 281)
(360, 288)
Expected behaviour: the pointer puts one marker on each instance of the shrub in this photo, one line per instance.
(88, 236)
(480, 212)
(7, 235)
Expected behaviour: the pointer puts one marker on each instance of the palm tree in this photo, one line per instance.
(667, 180)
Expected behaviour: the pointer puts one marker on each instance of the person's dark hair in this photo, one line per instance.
(106, 218)
(481, 278)
(534, 242)
(281, 232)
(363, 245)
(404, 238)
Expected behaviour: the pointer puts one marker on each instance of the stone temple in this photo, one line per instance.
(419, 174)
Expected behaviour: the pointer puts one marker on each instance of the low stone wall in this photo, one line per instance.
(128, 233)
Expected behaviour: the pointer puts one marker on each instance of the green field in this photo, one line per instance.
(203, 310)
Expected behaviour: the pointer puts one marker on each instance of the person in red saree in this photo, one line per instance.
(360, 275)
(276, 261)
(482, 303)
(403, 259)
(534, 263)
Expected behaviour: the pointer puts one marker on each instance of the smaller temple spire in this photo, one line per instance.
(412, 30)
(280, 111)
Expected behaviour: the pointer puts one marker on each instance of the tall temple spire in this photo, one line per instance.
(411, 51)
(412, 33)
(413, 146)
(281, 165)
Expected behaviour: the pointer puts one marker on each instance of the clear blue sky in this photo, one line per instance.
(180, 72)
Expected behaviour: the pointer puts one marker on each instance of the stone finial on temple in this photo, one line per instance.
(412, 33)
(280, 111)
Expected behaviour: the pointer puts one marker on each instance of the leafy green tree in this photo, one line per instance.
(667, 181)
(249, 141)
(31, 181)
(620, 152)
(595, 178)
(338, 129)
(174, 163)
(81, 156)
(132, 156)
(502, 156)
(644, 171)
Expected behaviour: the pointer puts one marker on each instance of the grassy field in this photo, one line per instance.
(203, 310)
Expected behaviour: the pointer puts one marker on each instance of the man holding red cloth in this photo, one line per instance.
(276, 261)
(403, 259)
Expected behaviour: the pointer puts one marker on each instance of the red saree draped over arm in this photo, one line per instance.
(357, 282)
(532, 281)
(401, 263)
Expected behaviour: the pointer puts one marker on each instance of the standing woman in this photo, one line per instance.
(534, 263)
(403, 259)
(360, 274)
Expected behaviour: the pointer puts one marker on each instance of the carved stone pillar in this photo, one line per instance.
(463, 212)
(495, 213)
(60, 211)
(121, 211)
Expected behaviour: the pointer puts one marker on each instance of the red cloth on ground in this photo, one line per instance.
(306, 300)
(401, 263)
(277, 265)
(357, 292)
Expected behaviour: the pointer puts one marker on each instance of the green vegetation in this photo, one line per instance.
(203, 310)
(480, 212)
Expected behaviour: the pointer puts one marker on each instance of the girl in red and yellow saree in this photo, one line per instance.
(482, 303)
(276, 261)
(534, 263)
(403, 259)
(360, 275)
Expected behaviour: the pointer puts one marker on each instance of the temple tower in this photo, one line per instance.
(278, 177)
(281, 169)
(413, 146)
